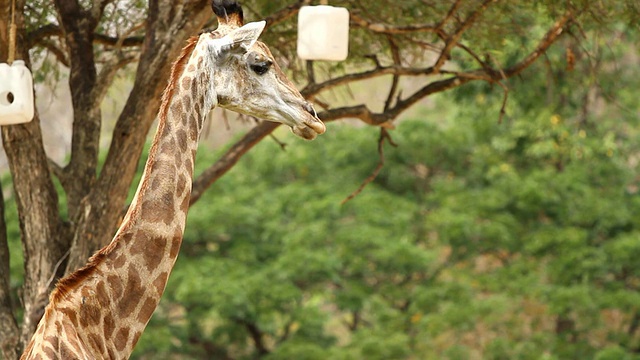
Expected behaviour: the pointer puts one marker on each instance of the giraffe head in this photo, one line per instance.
(248, 80)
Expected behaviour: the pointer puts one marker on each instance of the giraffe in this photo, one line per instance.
(100, 311)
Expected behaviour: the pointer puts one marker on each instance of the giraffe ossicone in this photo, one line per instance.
(100, 310)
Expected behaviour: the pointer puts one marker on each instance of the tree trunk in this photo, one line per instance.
(37, 202)
(9, 333)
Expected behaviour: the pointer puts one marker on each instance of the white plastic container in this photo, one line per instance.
(323, 33)
(16, 93)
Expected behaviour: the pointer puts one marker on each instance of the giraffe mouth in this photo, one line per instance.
(311, 126)
(309, 129)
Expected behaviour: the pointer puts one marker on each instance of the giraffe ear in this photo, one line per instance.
(244, 37)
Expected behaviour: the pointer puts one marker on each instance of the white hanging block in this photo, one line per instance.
(16, 93)
(323, 33)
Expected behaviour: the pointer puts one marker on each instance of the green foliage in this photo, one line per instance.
(516, 240)
(476, 239)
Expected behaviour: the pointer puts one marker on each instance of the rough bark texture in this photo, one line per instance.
(9, 332)
(37, 203)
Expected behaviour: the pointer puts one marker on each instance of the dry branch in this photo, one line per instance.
(384, 119)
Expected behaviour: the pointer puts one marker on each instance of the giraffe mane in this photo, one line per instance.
(176, 70)
(66, 284)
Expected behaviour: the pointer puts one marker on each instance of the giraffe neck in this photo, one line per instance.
(101, 310)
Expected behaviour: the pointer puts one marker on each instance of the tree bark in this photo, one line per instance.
(9, 333)
(36, 199)
(78, 25)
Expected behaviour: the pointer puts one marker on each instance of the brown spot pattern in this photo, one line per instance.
(175, 244)
(71, 315)
(133, 290)
(115, 283)
(147, 310)
(66, 352)
(181, 137)
(187, 102)
(90, 314)
(154, 213)
(108, 326)
(186, 83)
(96, 343)
(48, 352)
(154, 252)
(101, 294)
(160, 282)
(177, 109)
(182, 184)
(122, 337)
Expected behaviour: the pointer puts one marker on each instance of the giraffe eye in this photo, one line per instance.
(261, 67)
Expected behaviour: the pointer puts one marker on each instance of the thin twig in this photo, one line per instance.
(390, 29)
(453, 39)
(395, 52)
(384, 134)
(504, 101)
(283, 145)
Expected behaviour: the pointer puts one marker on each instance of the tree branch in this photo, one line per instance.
(395, 53)
(35, 195)
(231, 157)
(453, 39)
(255, 333)
(36, 37)
(97, 8)
(549, 38)
(108, 72)
(285, 13)
(312, 89)
(452, 10)
(390, 29)
(384, 135)
(56, 51)
(130, 41)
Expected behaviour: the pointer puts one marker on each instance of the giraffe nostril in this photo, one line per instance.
(309, 108)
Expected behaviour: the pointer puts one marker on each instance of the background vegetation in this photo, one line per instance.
(479, 239)
(504, 224)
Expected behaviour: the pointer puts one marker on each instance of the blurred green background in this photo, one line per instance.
(479, 239)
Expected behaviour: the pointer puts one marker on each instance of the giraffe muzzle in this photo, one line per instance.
(311, 126)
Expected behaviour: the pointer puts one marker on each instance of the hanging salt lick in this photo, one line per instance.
(16, 93)
(323, 33)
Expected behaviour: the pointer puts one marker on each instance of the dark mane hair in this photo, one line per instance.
(227, 8)
(176, 70)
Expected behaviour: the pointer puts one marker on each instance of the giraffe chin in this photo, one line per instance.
(309, 131)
